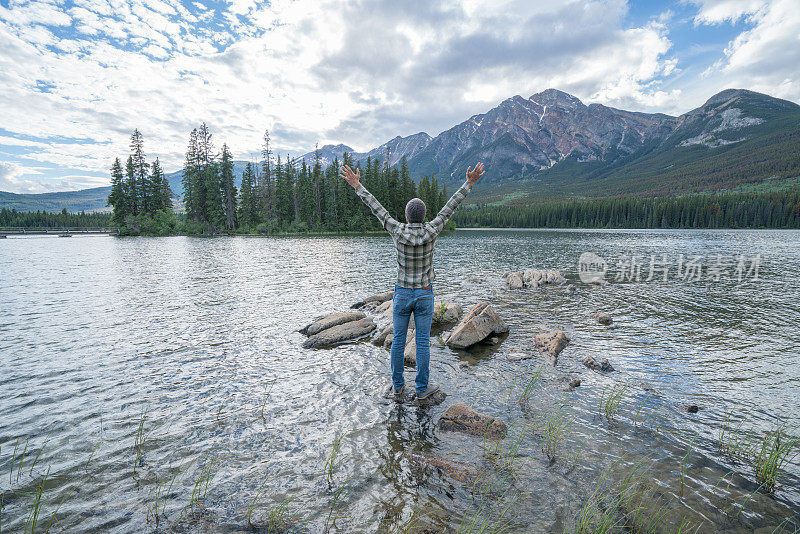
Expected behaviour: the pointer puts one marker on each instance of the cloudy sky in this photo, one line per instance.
(78, 76)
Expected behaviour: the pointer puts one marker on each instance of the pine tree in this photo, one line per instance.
(246, 199)
(228, 188)
(131, 188)
(189, 178)
(266, 185)
(160, 193)
(118, 197)
(141, 191)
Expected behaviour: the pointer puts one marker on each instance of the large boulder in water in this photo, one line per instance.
(551, 343)
(481, 322)
(343, 332)
(461, 418)
(379, 298)
(331, 320)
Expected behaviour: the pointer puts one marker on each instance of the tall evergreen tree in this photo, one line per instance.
(118, 197)
(190, 177)
(247, 204)
(228, 188)
(140, 194)
(131, 189)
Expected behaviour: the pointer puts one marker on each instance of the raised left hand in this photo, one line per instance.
(352, 178)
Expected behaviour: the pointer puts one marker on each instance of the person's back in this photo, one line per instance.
(415, 242)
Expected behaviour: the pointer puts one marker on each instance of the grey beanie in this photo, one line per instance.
(415, 211)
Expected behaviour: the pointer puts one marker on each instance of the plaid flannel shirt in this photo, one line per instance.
(414, 242)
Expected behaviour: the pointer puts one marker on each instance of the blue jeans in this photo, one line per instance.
(420, 303)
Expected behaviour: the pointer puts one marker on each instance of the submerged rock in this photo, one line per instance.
(691, 408)
(330, 321)
(448, 468)
(551, 343)
(572, 383)
(461, 418)
(593, 364)
(481, 322)
(342, 332)
(602, 318)
(434, 399)
(379, 298)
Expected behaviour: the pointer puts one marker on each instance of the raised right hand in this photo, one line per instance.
(473, 175)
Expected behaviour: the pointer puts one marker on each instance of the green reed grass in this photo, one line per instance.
(627, 506)
(139, 443)
(33, 516)
(200, 489)
(333, 460)
(611, 403)
(767, 455)
(772, 453)
(490, 514)
(531, 385)
(684, 460)
(336, 507)
(555, 431)
(265, 398)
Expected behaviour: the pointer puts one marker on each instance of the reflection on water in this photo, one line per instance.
(200, 338)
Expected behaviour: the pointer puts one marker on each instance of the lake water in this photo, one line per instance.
(198, 339)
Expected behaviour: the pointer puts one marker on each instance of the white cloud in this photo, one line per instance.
(764, 57)
(358, 71)
(716, 11)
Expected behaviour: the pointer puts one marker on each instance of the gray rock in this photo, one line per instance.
(602, 318)
(343, 332)
(461, 418)
(514, 281)
(410, 352)
(380, 298)
(385, 332)
(551, 343)
(331, 320)
(382, 307)
(481, 322)
(446, 313)
(593, 364)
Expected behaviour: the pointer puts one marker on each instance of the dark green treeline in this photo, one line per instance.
(720, 210)
(43, 219)
(288, 195)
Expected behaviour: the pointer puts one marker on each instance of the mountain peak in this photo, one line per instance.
(552, 97)
(760, 99)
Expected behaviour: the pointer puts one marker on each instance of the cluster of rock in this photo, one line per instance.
(533, 278)
(480, 324)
